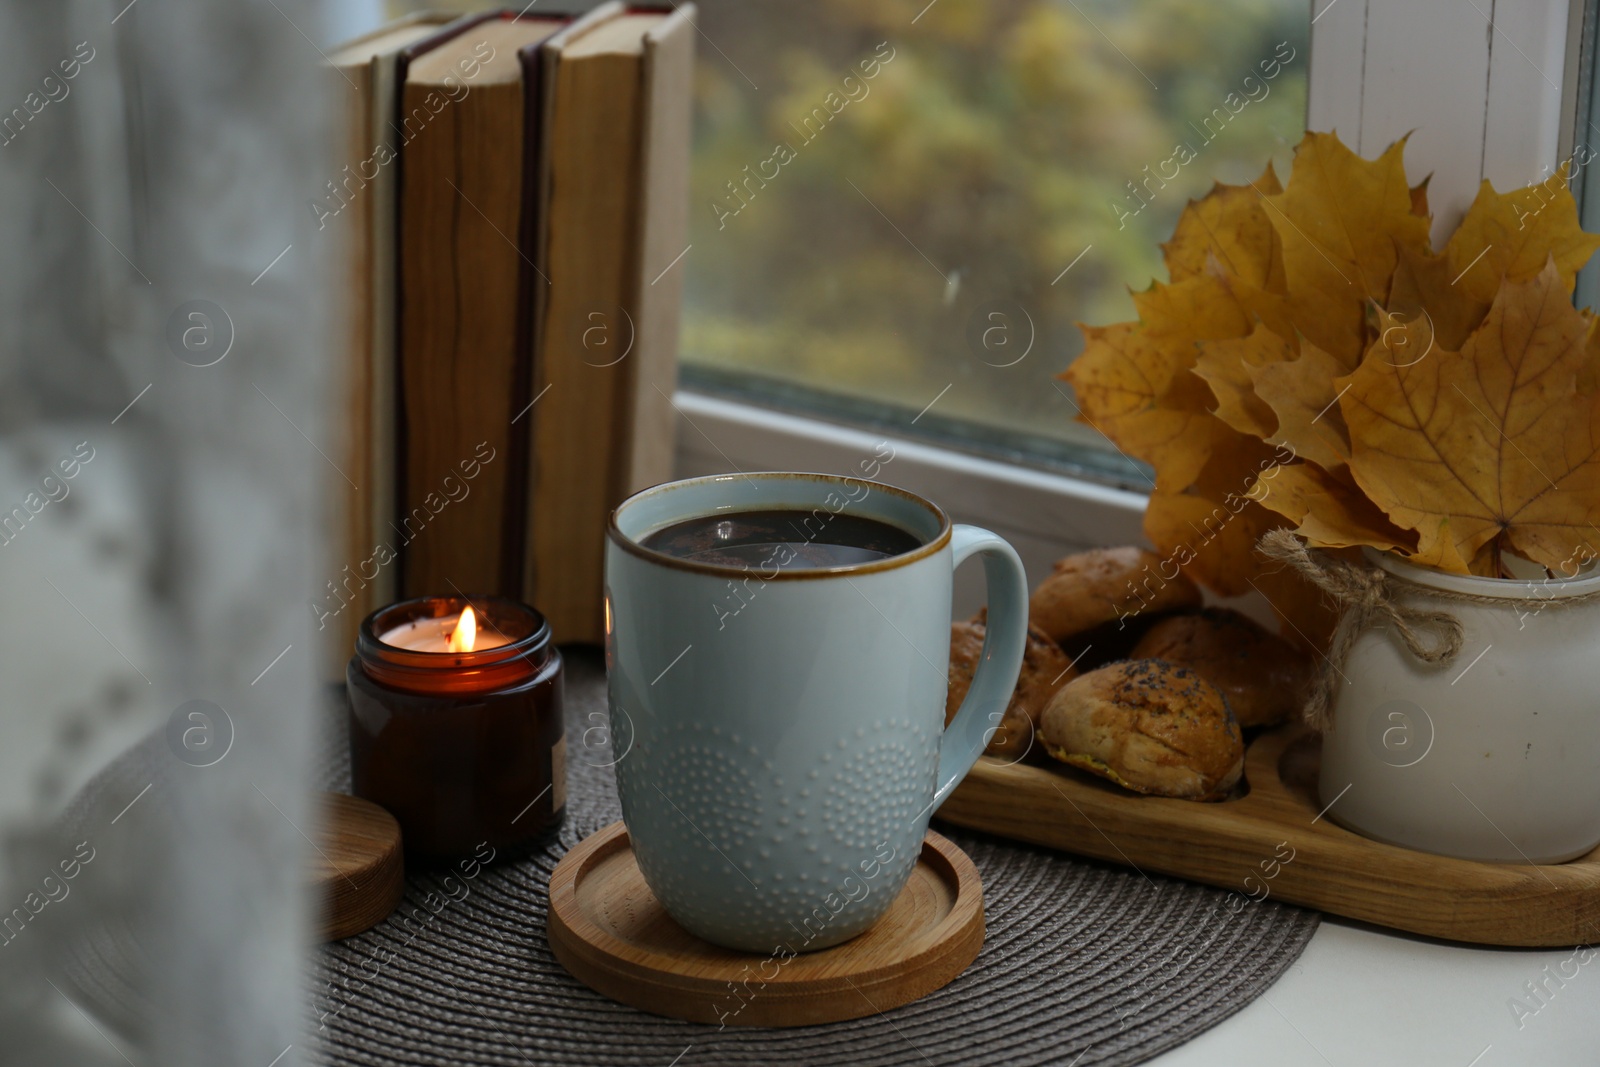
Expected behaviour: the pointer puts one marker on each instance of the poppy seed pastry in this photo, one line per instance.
(1263, 676)
(1013, 738)
(1108, 585)
(1150, 726)
(1013, 735)
(966, 648)
(1045, 669)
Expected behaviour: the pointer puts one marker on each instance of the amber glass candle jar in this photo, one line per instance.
(459, 736)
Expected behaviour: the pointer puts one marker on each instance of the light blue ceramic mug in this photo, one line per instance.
(780, 732)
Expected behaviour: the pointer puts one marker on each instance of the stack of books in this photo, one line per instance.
(516, 212)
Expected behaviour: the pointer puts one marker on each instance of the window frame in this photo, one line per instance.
(1501, 99)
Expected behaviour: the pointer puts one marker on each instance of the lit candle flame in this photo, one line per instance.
(465, 635)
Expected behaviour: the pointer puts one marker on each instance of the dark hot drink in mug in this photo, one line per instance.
(785, 538)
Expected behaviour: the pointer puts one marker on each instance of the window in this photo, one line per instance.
(1582, 147)
(899, 211)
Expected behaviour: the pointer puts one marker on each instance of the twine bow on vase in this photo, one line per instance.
(1368, 597)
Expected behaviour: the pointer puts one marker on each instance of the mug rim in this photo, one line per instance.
(723, 570)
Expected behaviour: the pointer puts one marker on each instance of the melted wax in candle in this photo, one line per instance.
(433, 635)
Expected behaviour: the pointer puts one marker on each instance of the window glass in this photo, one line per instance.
(1583, 175)
(898, 204)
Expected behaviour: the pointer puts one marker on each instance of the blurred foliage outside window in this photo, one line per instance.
(885, 203)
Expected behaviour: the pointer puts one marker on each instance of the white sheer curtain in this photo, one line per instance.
(156, 159)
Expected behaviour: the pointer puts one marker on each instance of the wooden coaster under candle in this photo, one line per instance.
(610, 932)
(358, 873)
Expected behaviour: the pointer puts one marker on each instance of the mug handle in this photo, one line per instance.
(1000, 662)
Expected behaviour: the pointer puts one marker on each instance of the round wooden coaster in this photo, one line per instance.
(359, 869)
(611, 933)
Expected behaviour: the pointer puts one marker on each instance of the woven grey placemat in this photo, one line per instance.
(1083, 964)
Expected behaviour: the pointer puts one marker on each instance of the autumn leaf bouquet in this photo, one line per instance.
(1314, 363)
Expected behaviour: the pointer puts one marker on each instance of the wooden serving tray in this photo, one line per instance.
(1235, 844)
(609, 932)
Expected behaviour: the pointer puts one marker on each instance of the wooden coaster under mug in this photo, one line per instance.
(610, 932)
(359, 871)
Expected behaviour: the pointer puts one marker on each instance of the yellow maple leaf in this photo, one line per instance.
(1495, 445)
(1212, 539)
(1509, 236)
(1228, 236)
(1329, 511)
(1226, 366)
(1229, 224)
(1130, 387)
(1419, 198)
(1423, 286)
(1134, 381)
(1212, 528)
(1211, 532)
(1263, 388)
(1303, 399)
(1340, 220)
(1197, 308)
